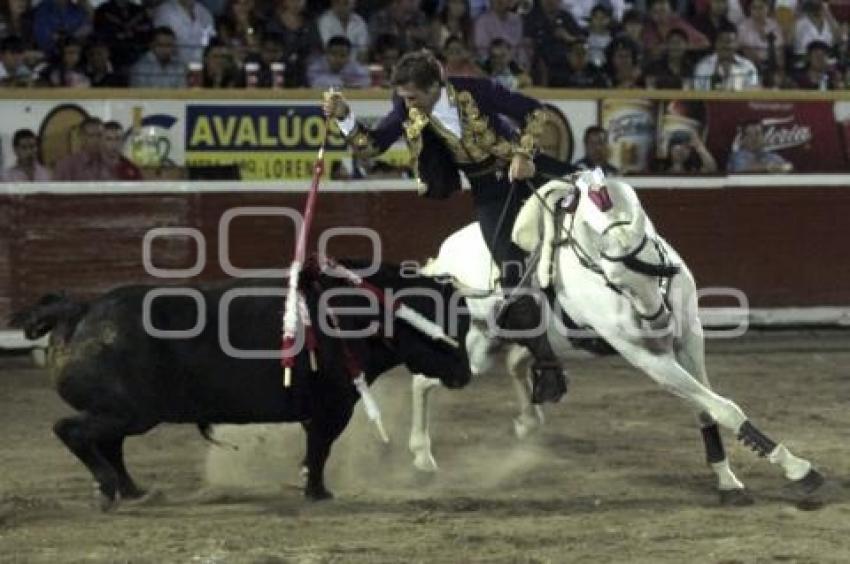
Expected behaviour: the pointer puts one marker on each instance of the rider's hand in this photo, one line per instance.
(334, 105)
(521, 168)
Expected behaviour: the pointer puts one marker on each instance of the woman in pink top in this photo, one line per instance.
(661, 21)
(754, 34)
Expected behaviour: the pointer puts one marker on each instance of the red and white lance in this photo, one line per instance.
(290, 315)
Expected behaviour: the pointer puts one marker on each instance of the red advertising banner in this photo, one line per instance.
(806, 134)
(813, 136)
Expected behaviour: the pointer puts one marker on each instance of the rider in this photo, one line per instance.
(467, 124)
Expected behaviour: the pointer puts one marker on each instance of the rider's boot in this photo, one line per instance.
(522, 313)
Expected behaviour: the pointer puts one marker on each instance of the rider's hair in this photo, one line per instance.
(420, 68)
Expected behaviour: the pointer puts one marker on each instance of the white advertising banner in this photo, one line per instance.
(271, 140)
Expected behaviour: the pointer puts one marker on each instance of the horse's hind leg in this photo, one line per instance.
(690, 353)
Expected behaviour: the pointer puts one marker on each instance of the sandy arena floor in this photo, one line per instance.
(616, 476)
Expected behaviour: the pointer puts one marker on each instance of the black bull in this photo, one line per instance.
(123, 381)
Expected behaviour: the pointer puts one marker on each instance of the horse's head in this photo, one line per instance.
(625, 240)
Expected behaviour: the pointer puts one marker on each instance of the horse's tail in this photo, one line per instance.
(47, 313)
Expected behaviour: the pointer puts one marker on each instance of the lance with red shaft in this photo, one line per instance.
(290, 316)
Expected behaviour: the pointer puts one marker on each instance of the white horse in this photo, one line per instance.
(613, 273)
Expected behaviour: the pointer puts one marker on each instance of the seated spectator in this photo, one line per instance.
(67, 70)
(220, 70)
(598, 34)
(16, 20)
(710, 21)
(815, 23)
(13, 71)
(759, 32)
(191, 22)
(237, 28)
(99, 66)
(580, 72)
(675, 68)
(159, 67)
(503, 69)
(661, 21)
(127, 27)
(500, 22)
(817, 74)
(751, 156)
(86, 164)
(453, 19)
(300, 40)
(337, 67)
(686, 153)
(56, 21)
(623, 67)
(632, 26)
(457, 61)
(724, 69)
(341, 20)
(27, 168)
(113, 143)
(582, 10)
(596, 151)
(271, 51)
(405, 20)
(387, 52)
(551, 31)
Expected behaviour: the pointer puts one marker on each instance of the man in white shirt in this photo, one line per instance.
(725, 69)
(341, 19)
(493, 136)
(580, 9)
(192, 24)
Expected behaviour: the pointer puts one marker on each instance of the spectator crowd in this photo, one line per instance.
(670, 44)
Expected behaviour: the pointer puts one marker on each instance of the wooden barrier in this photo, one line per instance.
(781, 245)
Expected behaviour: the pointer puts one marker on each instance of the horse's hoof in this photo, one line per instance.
(523, 427)
(807, 491)
(425, 464)
(318, 494)
(810, 483)
(735, 498)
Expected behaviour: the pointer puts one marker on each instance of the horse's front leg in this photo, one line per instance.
(420, 438)
(530, 417)
(669, 374)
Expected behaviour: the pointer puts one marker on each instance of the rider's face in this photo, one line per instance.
(421, 99)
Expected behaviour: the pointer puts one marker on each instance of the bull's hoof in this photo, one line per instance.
(318, 494)
(808, 491)
(735, 498)
(133, 492)
(105, 500)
